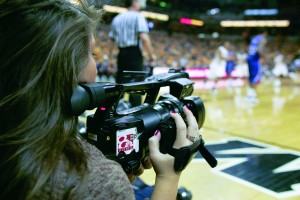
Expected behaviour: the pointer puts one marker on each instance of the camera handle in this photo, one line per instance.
(210, 159)
(185, 154)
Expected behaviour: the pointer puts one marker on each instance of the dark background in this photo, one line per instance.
(229, 10)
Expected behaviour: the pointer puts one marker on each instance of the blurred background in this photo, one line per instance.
(187, 33)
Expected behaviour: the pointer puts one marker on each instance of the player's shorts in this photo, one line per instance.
(280, 70)
(216, 69)
(254, 71)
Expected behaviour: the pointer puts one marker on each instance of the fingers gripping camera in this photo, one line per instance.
(123, 135)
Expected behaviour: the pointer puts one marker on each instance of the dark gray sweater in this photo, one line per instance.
(105, 180)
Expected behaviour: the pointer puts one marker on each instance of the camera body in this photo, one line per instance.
(123, 135)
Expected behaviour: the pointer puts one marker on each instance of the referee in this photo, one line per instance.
(129, 31)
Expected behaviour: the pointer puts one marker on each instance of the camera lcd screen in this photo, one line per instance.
(134, 76)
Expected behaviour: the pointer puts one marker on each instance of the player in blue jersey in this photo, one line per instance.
(256, 49)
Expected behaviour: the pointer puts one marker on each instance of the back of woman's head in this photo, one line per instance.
(44, 46)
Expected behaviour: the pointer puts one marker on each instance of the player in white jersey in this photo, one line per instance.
(218, 64)
(280, 69)
(242, 70)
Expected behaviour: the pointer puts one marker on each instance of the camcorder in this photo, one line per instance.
(122, 134)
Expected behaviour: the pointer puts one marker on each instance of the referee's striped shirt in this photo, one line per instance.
(126, 27)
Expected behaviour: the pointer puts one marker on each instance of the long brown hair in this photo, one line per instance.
(44, 45)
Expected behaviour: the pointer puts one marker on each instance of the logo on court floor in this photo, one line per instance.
(268, 168)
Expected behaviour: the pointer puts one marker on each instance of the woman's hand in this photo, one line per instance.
(163, 163)
(166, 182)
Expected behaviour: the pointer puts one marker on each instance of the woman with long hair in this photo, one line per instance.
(46, 48)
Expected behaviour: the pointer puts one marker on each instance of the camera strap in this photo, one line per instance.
(185, 154)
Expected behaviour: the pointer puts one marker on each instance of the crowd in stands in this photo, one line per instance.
(188, 51)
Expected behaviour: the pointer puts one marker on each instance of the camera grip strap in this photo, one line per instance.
(185, 154)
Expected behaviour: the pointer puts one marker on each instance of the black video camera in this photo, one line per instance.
(123, 135)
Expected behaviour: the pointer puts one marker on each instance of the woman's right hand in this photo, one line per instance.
(166, 178)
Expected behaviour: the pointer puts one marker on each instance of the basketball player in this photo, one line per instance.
(280, 69)
(230, 65)
(242, 66)
(218, 65)
(256, 49)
